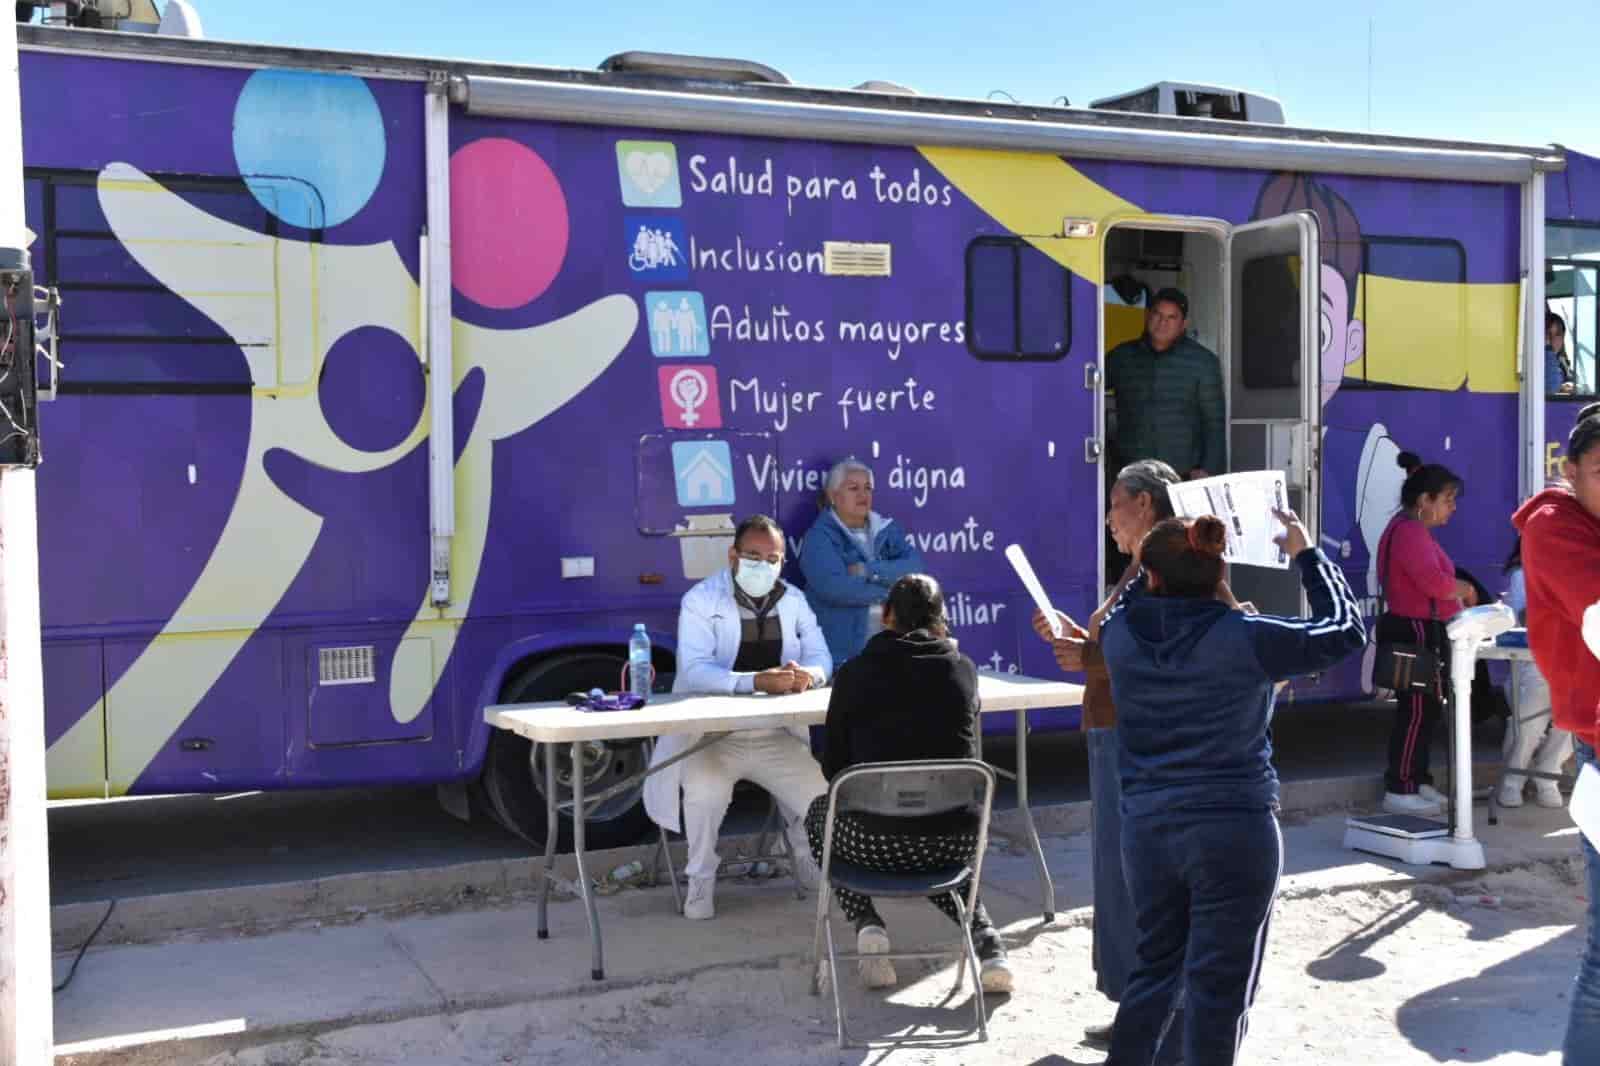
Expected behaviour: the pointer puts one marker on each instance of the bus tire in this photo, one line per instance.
(513, 783)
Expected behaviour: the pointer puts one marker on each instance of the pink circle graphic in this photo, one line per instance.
(508, 223)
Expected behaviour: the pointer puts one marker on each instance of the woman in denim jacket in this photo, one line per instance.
(850, 558)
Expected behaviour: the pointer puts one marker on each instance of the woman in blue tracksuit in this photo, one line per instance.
(1193, 683)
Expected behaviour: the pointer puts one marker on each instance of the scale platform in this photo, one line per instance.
(1412, 839)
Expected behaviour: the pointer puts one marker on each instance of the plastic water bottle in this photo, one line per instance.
(639, 669)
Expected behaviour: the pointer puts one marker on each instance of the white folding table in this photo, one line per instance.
(558, 723)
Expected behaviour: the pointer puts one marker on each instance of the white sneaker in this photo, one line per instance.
(1510, 793)
(1432, 795)
(700, 903)
(1399, 803)
(996, 976)
(1548, 794)
(875, 973)
(994, 973)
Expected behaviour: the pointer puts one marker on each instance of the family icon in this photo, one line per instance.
(656, 247)
(677, 322)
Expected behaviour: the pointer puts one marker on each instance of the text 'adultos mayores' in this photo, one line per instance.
(779, 325)
(736, 177)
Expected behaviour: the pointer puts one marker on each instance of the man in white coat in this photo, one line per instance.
(741, 631)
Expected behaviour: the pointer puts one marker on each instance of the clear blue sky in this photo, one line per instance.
(1466, 69)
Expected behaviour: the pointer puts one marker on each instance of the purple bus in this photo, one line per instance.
(395, 388)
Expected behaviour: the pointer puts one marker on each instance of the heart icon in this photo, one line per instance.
(648, 170)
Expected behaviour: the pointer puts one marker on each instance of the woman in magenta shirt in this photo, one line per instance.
(1421, 593)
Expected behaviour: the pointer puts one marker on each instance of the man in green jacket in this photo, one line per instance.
(1169, 394)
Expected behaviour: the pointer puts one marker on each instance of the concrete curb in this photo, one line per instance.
(254, 909)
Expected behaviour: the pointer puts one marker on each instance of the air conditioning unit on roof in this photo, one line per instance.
(1187, 100)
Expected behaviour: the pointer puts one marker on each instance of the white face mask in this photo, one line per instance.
(756, 577)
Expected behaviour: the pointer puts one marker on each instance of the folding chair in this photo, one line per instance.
(1515, 724)
(906, 790)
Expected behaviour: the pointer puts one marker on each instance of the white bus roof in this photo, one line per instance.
(779, 110)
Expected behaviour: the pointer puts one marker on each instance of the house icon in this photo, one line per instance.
(704, 474)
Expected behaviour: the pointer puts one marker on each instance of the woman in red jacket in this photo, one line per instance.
(1561, 561)
(1421, 594)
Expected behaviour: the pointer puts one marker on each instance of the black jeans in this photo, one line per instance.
(1203, 883)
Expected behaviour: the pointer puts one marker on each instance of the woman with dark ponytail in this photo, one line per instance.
(910, 694)
(1420, 592)
(1193, 680)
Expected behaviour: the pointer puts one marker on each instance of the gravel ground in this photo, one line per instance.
(1474, 972)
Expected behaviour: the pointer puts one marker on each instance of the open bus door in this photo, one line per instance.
(1273, 359)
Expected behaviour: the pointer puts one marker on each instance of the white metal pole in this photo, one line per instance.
(1532, 474)
(1463, 665)
(435, 296)
(26, 1025)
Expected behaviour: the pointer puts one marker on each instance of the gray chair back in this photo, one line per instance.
(913, 793)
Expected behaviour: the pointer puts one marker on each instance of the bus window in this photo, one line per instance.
(1413, 300)
(127, 332)
(1269, 325)
(1019, 301)
(1571, 282)
(1569, 290)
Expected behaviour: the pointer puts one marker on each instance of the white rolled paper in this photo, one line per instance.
(1019, 562)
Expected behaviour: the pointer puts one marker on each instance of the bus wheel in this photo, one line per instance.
(513, 782)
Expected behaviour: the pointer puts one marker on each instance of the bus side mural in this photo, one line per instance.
(654, 333)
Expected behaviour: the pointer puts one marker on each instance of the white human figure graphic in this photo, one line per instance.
(1379, 478)
(643, 249)
(662, 321)
(668, 248)
(654, 248)
(688, 328)
(221, 269)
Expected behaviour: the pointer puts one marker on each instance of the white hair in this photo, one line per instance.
(843, 469)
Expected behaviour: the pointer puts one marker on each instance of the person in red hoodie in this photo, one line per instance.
(1421, 593)
(1560, 530)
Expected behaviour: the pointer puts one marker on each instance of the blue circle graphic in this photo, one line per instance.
(310, 146)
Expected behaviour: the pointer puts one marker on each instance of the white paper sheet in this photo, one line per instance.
(1584, 807)
(1244, 502)
(1019, 562)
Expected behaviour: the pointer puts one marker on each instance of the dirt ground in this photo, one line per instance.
(1472, 971)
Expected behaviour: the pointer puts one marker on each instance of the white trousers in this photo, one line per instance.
(776, 760)
(1534, 743)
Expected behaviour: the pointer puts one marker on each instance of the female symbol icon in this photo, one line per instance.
(688, 390)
